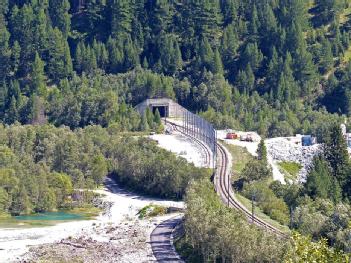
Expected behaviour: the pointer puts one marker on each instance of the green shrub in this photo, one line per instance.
(265, 198)
(152, 211)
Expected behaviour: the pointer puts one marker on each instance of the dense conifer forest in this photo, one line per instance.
(277, 67)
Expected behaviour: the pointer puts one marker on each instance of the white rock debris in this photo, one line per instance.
(282, 149)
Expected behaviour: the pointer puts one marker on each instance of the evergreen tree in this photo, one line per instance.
(294, 11)
(5, 51)
(254, 24)
(326, 56)
(59, 63)
(262, 151)
(149, 117)
(11, 113)
(252, 56)
(217, 63)
(206, 18)
(229, 45)
(38, 76)
(121, 18)
(304, 69)
(59, 15)
(319, 182)
(205, 54)
(3, 99)
(15, 57)
(157, 118)
(144, 124)
(335, 152)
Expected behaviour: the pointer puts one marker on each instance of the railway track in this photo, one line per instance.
(224, 189)
(208, 154)
(223, 186)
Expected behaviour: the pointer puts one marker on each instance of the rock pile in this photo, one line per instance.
(281, 149)
(107, 243)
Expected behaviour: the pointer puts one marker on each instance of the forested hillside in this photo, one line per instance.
(276, 66)
(40, 166)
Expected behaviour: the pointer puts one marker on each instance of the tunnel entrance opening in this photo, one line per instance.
(163, 110)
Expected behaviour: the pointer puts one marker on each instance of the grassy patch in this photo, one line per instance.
(259, 213)
(151, 211)
(240, 157)
(290, 170)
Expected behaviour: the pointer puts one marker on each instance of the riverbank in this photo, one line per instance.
(114, 229)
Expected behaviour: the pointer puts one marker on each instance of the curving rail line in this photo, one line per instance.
(176, 127)
(224, 189)
(222, 183)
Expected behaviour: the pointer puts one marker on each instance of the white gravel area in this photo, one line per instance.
(182, 146)
(284, 149)
(124, 209)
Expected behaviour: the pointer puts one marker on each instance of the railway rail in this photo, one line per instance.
(222, 183)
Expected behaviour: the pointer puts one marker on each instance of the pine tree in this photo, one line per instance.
(328, 10)
(335, 152)
(229, 45)
(5, 51)
(11, 113)
(145, 63)
(157, 118)
(326, 56)
(230, 11)
(319, 180)
(59, 15)
(294, 11)
(254, 25)
(250, 79)
(15, 57)
(78, 57)
(131, 55)
(149, 117)
(144, 124)
(268, 28)
(160, 14)
(3, 99)
(38, 77)
(205, 54)
(252, 56)
(262, 152)
(121, 18)
(59, 63)
(217, 63)
(304, 68)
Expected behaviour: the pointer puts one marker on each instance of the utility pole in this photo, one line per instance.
(253, 197)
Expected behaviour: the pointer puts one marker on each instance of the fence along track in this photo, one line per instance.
(207, 151)
(222, 182)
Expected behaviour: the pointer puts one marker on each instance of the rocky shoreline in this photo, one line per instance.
(116, 235)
